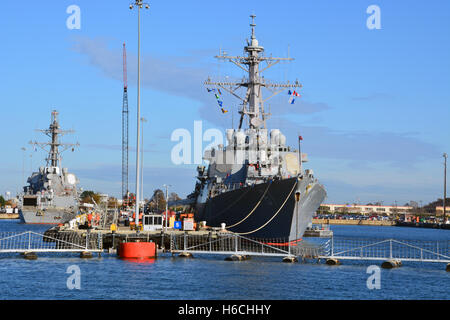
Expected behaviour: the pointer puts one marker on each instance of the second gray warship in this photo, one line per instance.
(52, 195)
(255, 186)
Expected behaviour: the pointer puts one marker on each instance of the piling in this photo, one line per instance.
(448, 267)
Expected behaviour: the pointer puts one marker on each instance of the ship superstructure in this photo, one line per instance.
(255, 185)
(51, 196)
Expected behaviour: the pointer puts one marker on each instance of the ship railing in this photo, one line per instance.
(30, 241)
(384, 249)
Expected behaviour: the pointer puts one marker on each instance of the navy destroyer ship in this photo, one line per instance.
(51, 196)
(255, 186)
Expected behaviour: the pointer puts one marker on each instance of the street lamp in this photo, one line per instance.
(445, 184)
(167, 206)
(138, 4)
(143, 120)
(23, 164)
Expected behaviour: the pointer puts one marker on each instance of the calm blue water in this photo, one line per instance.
(213, 278)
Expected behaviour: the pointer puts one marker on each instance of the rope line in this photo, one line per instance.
(276, 213)
(256, 206)
(233, 203)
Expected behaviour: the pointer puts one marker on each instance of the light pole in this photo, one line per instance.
(167, 206)
(139, 5)
(300, 154)
(445, 184)
(142, 157)
(23, 164)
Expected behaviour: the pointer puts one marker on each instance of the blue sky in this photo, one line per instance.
(374, 111)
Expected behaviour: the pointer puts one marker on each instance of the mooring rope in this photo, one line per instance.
(233, 203)
(256, 206)
(276, 213)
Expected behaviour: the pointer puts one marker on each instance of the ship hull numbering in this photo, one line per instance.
(267, 210)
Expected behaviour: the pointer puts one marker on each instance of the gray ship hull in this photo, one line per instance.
(50, 216)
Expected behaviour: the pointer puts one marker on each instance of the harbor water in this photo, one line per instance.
(210, 277)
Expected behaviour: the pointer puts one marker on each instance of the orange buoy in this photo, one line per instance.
(137, 250)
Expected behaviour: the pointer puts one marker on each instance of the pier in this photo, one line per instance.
(334, 249)
(390, 252)
(30, 243)
(8, 216)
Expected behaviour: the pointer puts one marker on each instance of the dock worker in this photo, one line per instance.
(89, 218)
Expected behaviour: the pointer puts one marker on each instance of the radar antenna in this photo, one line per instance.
(253, 102)
(54, 132)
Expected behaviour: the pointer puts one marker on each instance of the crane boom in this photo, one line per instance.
(125, 85)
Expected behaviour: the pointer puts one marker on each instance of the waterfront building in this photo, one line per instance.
(364, 209)
(440, 210)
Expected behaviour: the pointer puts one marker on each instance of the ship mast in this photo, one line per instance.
(54, 132)
(253, 102)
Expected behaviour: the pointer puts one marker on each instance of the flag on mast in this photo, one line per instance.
(292, 96)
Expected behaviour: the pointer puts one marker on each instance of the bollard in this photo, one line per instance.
(29, 255)
(392, 263)
(332, 262)
(112, 250)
